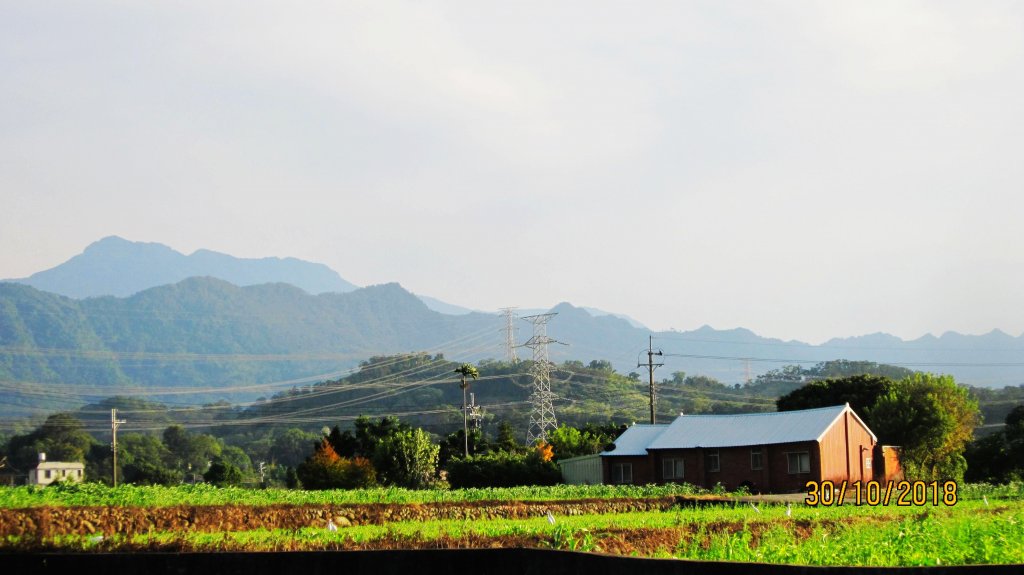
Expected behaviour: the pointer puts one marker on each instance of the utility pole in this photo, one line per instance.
(114, 424)
(651, 366)
(465, 418)
(464, 370)
(510, 334)
(542, 415)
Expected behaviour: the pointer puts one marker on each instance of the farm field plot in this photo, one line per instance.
(986, 526)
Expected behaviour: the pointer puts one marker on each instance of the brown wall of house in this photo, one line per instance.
(733, 464)
(845, 449)
(692, 466)
(780, 479)
(642, 468)
(735, 467)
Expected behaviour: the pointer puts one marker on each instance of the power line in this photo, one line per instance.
(816, 361)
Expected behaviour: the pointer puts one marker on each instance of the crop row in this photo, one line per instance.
(970, 533)
(94, 494)
(91, 494)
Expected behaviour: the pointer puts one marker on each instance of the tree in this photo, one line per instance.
(932, 420)
(407, 459)
(143, 460)
(223, 472)
(292, 446)
(369, 434)
(860, 391)
(62, 437)
(998, 457)
(466, 370)
(453, 445)
(291, 478)
(190, 451)
(325, 469)
(1014, 429)
(238, 458)
(506, 440)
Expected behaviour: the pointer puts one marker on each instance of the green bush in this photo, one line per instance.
(223, 473)
(502, 469)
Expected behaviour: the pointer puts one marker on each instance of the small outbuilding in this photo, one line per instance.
(765, 452)
(582, 470)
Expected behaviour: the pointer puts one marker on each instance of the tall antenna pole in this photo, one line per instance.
(651, 366)
(542, 415)
(510, 334)
(114, 424)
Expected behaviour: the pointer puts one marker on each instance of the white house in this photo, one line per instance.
(49, 471)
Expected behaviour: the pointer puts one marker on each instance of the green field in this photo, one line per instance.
(986, 526)
(204, 494)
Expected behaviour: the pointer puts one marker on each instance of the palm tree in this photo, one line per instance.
(465, 370)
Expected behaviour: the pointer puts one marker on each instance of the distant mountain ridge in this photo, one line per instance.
(208, 332)
(119, 267)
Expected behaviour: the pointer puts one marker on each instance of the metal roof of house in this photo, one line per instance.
(689, 431)
(636, 439)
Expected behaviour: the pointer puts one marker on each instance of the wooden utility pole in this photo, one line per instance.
(651, 366)
(114, 424)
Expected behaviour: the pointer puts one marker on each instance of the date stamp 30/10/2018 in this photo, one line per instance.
(901, 493)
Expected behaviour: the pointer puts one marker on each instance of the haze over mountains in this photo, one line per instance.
(288, 322)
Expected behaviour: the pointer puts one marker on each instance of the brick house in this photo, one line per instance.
(766, 452)
(630, 462)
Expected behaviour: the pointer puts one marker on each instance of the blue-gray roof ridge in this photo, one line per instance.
(636, 439)
(834, 408)
(741, 429)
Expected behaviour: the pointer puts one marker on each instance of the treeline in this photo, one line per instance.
(341, 423)
(374, 452)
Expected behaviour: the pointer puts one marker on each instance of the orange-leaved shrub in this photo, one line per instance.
(325, 469)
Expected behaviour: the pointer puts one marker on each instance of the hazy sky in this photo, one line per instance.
(802, 169)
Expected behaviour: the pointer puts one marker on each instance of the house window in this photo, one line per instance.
(755, 458)
(622, 473)
(711, 460)
(867, 463)
(799, 462)
(672, 468)
(48, 473)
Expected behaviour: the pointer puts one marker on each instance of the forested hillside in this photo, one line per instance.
(203, 333)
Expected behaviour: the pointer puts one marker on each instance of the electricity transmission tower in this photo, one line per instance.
(510, 334)
(542, 414)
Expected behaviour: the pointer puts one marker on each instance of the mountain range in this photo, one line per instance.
(234, 329)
